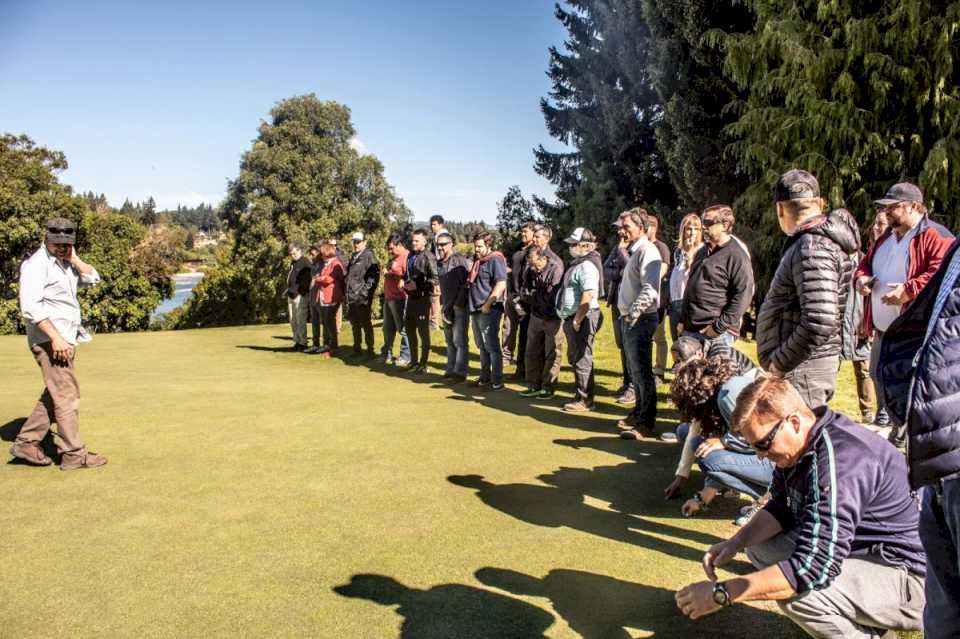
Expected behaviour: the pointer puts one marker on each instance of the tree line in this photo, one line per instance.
(678, 104)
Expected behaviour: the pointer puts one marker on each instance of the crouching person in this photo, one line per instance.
(837, 544)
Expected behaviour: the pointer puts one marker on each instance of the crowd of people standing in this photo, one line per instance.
(851, 536)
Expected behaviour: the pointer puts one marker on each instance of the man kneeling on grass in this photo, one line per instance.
(837, 545)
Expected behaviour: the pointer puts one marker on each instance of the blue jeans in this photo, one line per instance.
(940, 535)
(747, 474)
(393, 324)
(638, 347)
(486, 333)
(458, 352)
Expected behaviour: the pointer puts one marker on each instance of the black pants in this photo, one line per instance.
(580, 351)
(416, 320)
(360, 320)
(618, 338)
(327, 316)
(514, 340)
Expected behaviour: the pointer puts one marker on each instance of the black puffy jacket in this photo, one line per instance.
(920, 375)
(802, 314)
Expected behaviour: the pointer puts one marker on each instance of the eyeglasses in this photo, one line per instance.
(58, 231)
(765, 443)
(710, 222)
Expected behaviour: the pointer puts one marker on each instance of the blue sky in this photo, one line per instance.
(162, 98)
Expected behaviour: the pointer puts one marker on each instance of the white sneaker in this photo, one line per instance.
(669, 437)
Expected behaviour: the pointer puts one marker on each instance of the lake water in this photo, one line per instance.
(183, 288)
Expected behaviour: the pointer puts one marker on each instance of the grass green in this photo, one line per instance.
(257, 492)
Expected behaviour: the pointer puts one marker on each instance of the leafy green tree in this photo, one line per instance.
(603, 106)
(860, 94)
(125, 297)
(30, 193)
(300, 181)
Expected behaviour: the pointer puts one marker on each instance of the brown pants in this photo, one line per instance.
(865, 389)
(60, 403)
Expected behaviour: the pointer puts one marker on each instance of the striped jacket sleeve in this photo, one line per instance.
(835, 493)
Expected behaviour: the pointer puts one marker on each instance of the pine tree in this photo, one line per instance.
(602, 104)
(695, 97)
(861, 94)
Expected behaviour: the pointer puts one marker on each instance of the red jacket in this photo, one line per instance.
(927, 248)
(393, 277)
(328, 284)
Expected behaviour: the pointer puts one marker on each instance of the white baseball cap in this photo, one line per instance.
(357, 237)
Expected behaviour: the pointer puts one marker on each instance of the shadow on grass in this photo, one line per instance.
(9, 432)
(602, 607)
(554, 507)
(269, 349)
(545, 411)
(450, 610)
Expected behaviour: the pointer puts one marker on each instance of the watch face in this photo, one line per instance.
(720, 595)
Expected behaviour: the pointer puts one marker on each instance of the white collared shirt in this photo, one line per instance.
(48, 291)
(891, 265)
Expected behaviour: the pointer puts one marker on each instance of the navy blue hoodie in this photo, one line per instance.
(847, 496)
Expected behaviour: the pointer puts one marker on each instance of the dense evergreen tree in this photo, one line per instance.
(603, 106)
(513, 211)
(300, 181)
(697, 101)
(861, 94)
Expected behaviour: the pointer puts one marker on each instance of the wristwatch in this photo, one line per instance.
(720, 595)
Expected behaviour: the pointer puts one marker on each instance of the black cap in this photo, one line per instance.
(797, 184)
(902, 192)
(60, 230)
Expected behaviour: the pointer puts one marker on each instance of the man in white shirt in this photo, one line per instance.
(898, 267)
(48, 302)
(638, 301)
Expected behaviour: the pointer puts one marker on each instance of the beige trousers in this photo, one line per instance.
(60, 403)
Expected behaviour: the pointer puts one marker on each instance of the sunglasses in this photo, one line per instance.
(444, 243)
(59, 231)
(765, 443)
(710, 222)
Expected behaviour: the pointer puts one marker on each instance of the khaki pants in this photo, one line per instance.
(298, 308)
(660, 342)
(865, 600)
(60, 403)
(865, 391)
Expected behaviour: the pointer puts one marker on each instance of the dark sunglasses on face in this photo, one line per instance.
(444, 243)
(764, 444)
(60, 231)
(707, 223)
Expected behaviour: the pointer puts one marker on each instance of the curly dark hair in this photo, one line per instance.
(694, 392)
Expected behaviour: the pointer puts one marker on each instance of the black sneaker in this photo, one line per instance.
(496, 386)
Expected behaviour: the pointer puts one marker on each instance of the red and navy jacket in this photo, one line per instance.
(927, 248)
(847, 496)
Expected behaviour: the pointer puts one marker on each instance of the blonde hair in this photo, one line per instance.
(767, 399)
(687, 220)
